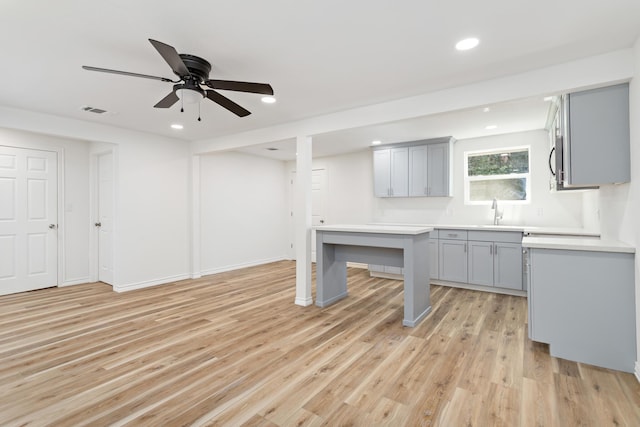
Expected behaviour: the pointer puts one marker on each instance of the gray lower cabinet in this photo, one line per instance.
(433, 258)
(507, 266)
(582, 304)
(495, 264)
(453, 260)
(480, 264)
(495, 259)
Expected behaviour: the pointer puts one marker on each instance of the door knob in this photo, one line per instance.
(98, 224)
(52, 226)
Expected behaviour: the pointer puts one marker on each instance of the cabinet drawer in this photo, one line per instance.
(496, 236)
(452, 234)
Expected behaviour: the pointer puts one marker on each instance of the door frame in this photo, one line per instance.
(59, 209)
(93, 211)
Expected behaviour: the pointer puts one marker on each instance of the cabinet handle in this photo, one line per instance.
(452, 235)
(491, 249)
(465, 248)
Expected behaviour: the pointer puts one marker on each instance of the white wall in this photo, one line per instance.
(244, 211)
(349, 187)
(152, 215)
(546, 208)
(74, 227)
(152, 237)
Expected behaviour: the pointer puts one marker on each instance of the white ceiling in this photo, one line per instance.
(515, 116)
(319, 56)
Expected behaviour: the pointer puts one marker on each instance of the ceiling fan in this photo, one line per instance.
(193, 72)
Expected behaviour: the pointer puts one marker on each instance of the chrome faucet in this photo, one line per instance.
(497, 215)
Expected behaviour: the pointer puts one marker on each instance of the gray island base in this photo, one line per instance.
(396, 246)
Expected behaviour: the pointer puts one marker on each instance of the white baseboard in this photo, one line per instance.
(80, 281)
(304, 302)
(638, 370)
(241, 265)
(149, 283)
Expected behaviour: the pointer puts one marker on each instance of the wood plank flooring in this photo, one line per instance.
(232, 349)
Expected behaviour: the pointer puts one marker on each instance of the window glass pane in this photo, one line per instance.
(501, 189)
(498, 163)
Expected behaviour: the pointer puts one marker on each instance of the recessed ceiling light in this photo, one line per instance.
(467, 44)
(376, 142)
(177, 126)
(486, 109)
(491, 127)
(268, 99)
(547, 98)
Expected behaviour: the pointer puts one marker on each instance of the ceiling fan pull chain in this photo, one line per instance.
(199, 119)
(182, 104)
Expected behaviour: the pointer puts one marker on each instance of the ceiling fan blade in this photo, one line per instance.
(227, 103)
(126, 73)
(168, 100)
(170, 55)
(262, 88)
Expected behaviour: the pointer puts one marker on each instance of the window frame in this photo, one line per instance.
(468, 179)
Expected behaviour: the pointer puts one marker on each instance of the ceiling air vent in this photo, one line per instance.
(93, 110)
(272, 149)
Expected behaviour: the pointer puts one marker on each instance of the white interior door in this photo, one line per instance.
(105, 218)
(318, 207)
(28, 220)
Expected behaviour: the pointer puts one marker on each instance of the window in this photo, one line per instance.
(502, 175)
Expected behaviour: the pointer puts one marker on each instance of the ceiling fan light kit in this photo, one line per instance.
(193, 73)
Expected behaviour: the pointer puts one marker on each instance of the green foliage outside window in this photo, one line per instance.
(499, 163)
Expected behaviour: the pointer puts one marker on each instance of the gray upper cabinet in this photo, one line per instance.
(438, 174)
(595, 131)
(429, 170)
(418, 182)
(390, 172)
(414, 169)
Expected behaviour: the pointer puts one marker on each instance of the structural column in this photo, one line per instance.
(195, 217)
(302, 216)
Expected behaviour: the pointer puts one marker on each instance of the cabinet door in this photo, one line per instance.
(433, 259)
(598, 146)
(453, 260)
(507, 265)
(382, 173)
(481, 263)
(400, 172)
(438, 170)
(418, 185)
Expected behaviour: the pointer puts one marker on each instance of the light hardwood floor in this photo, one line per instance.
(233, 349)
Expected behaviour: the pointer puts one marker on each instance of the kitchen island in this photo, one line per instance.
(393, 245)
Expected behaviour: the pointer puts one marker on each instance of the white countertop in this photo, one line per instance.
(376, 228)
(562, 231)
(565, 243)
